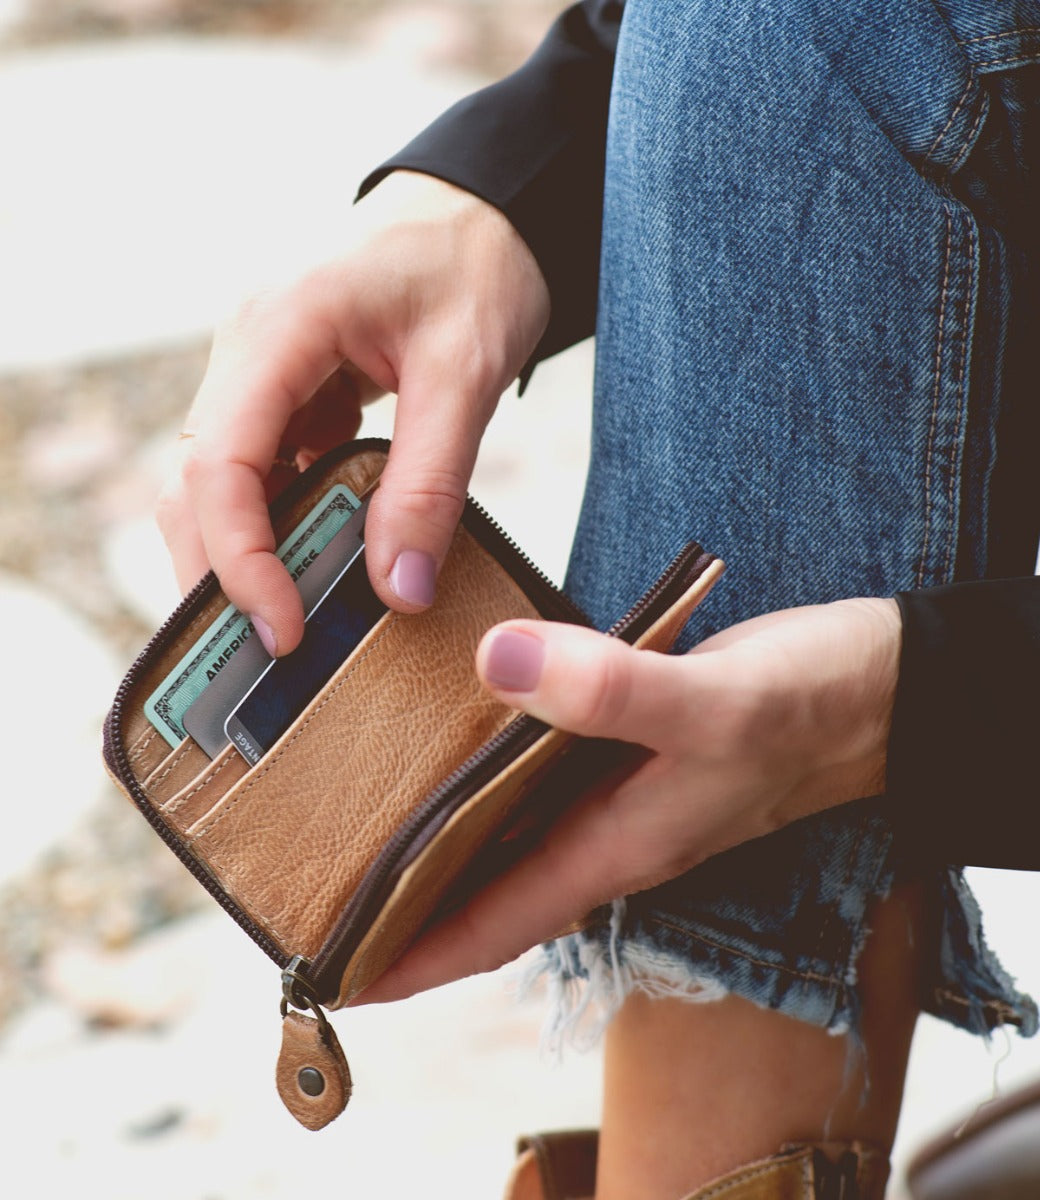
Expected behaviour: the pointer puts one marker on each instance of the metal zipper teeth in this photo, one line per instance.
(448, 794)
(684, 569)
(114, 749)
(116, 755)
(555, 598)
(115, 752)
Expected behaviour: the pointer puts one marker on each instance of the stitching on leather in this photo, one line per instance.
(744, 1177)
(144, 740)
(177, 758)
(181, 800)
(934, 418)
(759, 962)
(961, 390)
(299, 732)
(989, 37)
(952, 117)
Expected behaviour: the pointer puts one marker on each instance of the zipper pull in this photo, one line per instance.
(312, 1074)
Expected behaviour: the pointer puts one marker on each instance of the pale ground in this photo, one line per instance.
(146, 185)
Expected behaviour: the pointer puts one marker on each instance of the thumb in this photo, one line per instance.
(586, 682)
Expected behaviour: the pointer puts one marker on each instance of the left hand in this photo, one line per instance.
(766, 722)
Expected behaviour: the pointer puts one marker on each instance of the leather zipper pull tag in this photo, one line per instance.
(312, 1075)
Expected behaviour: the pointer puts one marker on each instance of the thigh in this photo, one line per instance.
(808, 290)
(795, 309)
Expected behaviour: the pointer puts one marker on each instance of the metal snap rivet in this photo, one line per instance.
(311, 1081)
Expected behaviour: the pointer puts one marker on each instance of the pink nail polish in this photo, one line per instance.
(414, 577)
(514, 661)
(266, 635)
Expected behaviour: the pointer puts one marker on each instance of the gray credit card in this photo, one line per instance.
(204, 719)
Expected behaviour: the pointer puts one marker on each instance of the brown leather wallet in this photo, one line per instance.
(400, 789)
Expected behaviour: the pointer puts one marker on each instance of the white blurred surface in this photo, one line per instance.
(146, 187)
(49, 733)
(149, 185)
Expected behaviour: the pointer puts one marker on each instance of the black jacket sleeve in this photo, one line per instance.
(533, 145)
(963, 769)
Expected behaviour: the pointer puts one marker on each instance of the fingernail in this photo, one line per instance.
(414, 577)
(514, 661)
(266, 635)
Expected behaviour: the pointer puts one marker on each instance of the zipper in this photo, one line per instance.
(425, 821)
(548, 598)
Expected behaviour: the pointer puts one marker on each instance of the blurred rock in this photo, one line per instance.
(419, 36)
(12, 14)
(68, 454)
(58, 681)
(145, 986)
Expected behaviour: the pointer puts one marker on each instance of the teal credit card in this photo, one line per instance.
(232, 631)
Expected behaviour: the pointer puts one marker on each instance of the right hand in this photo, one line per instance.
(434, 296)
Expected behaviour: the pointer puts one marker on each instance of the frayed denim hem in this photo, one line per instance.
(589, 980)
(633, 947)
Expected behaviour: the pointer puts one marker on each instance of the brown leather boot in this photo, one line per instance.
(562, 1166)
(995, 1154)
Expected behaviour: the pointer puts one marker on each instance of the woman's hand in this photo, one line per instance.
(434, 296)
(766, 722)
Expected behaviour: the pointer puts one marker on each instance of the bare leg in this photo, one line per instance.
(694, 1090)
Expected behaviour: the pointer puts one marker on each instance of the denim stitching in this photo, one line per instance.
(969, 141)
(759, 962)
(847, 941)
(1014, 61)
(960, 381)
(933, 421)
(871, 892)
(999, 1006)
(989, 37)
(952, 117)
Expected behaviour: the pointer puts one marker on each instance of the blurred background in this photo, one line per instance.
(159, 159)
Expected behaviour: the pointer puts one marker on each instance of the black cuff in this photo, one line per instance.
(962, 772)
(533, 145)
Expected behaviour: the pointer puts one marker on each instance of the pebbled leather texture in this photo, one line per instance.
(311, 1058)
(293, 837)
(421, 886)
(289, 840)
(288, 845)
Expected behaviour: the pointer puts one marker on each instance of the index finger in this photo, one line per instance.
(261, 371)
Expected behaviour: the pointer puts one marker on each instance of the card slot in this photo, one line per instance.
(182, 809)
(294, 835)
(149, 750)
(174, 771)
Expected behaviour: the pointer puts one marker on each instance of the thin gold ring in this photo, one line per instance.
(184, 435)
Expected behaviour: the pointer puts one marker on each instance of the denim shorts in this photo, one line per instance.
(817, 295)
